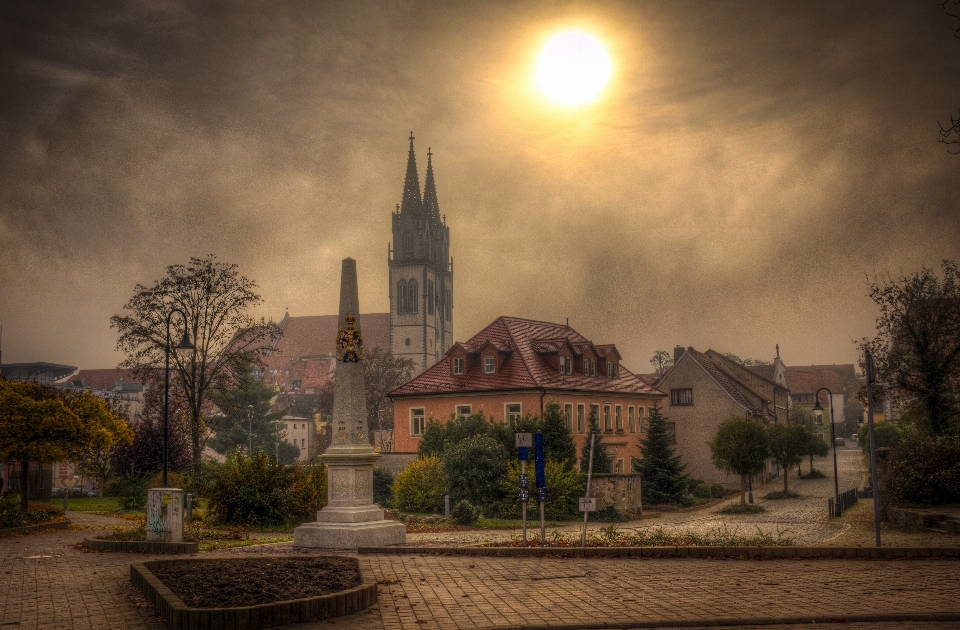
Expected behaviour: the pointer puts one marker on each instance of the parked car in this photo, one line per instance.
(839, 442)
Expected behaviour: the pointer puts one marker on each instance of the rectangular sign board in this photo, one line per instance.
(524, 481)
(524, 495)
(588, 504)
(524, 440)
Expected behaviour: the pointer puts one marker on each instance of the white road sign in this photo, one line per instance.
(588, 504)
(524, 439)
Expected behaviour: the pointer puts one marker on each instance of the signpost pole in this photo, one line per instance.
(868, 369)
(539, 463)
(583, 537)
(523, 442)
(67, 483)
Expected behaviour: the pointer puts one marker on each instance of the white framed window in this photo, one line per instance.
(631, 419)
(618, 468)
(458, 366)
(607, 424)
(681, 396)
(489, 364)
(581, 420)
(618, 412)
(641, 412)
(464, 410)
(568, 417)
(511, 411)
(671, 428)
(595, 412)
(566, 365)
(418, 421)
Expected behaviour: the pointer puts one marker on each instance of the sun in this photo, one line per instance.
(572, 68)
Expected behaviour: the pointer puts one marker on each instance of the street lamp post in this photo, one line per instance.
(817, 409)
(185, 344)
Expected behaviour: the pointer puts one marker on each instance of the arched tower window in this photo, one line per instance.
(407, 245)
(412, 301)
(401, 297)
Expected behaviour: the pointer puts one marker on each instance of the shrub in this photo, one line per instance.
(608, 514)
(259, 491)
(421, 486)
(474, 468)
(564, 489)
(131, 491)
(702, 491)
(924, 470)
(382, 492)
(10, 513)
(884, 434)
(693, 483)
(464, 513)
(716, 491)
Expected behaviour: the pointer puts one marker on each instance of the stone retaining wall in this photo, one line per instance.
(141, 546)
(622, 491)
(178, 616)
(920, 520)
(32, 529)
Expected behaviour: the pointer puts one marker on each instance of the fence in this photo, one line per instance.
(845, 501)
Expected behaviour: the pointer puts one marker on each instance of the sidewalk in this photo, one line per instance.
(47, 582)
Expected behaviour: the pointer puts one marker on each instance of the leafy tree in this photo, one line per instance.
(803, 416)
(420, 486)
(917, 348)
(740, 447)
(601, 461)
(564, 489)
(36, 426)
(144, 456)
(748, 361)
(437, 436)
(215, 299)
(787, 444)
(247, 421)
(661, 361)
(663, 478)
(473, 468)
(105, 426)
(558, 444)
(814, 447)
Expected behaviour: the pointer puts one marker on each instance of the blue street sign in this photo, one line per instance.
(539, 460)
(524, 481)
(523, 453)
(541, 495)
(524, 495)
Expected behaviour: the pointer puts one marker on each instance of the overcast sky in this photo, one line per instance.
(747, 168)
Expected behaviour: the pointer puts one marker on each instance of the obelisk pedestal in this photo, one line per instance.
(350, 519)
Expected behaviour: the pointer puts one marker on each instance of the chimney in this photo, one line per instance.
(677, 353)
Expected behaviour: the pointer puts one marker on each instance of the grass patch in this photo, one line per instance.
(88, 504)
(226, 544)
(611, 536)
(736, 508)
(814, 474)
(773, 496)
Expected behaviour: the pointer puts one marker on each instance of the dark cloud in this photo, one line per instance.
(749, 165)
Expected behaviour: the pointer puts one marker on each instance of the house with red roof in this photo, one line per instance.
(706, 388)
(514, 367)
(804, 385)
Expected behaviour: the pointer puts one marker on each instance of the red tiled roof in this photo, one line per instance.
(104, 380)
(809, 381)
(524, 367)
(765, 371)
(305, 350)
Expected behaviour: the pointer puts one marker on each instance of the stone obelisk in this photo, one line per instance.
(350, 519)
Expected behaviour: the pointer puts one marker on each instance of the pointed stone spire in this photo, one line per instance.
(411, 186)
(430, 205)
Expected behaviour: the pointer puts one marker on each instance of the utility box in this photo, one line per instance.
(165, 515)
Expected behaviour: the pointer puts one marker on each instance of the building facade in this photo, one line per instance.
(420, 272)
(702, 391)
(515, 367)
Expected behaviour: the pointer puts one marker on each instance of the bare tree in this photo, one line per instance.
(215, 299)
(661, 361)
(950, 134)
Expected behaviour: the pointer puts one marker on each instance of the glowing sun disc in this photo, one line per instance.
(572, 68)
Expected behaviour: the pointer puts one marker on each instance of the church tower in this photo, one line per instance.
(421, 273)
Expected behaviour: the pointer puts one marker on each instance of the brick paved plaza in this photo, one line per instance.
(47, 582)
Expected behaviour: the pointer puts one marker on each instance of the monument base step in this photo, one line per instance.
(349, 535)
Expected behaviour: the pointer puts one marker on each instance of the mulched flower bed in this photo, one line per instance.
(248, 582)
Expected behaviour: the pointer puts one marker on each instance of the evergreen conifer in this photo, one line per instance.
(601, 462)
(557, 438)
(663, 479)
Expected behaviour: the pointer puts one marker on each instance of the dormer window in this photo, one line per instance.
(589, 367)
(489, 364)
(613, 370)
(566, 365)
(458, 367)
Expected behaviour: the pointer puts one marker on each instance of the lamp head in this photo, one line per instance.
(817, 409)
(185, 343)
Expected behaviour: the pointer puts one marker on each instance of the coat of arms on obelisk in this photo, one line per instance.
(349, 342)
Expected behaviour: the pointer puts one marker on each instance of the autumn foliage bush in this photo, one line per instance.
(421, 486)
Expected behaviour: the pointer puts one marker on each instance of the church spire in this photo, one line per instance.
(430, 205)
(411, 187)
